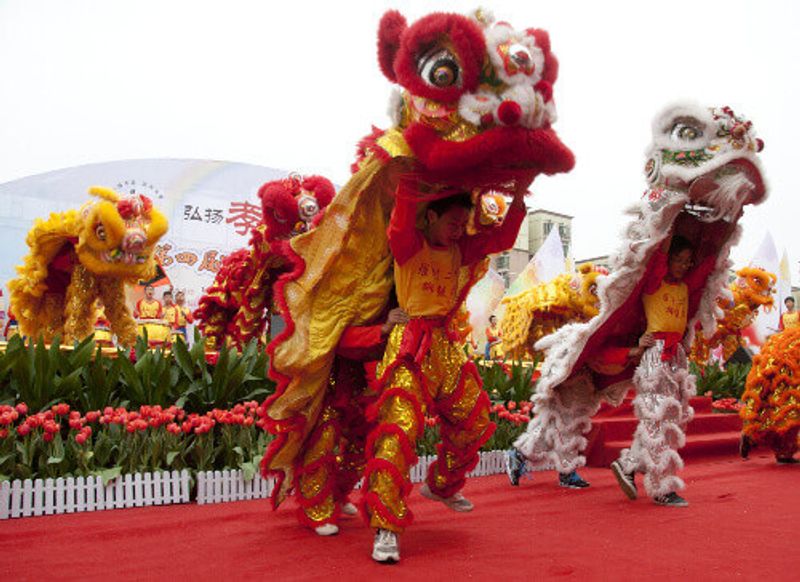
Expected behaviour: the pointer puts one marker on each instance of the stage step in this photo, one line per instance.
(709, 433)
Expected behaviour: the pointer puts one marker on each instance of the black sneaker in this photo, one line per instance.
(572, 480)
(671, 500)
(786, 460)
(627, 481)
(515, 466)
(745, 444)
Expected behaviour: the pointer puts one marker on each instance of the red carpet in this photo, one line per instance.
(742, 523)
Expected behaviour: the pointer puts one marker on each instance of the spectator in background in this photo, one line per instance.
(789, 318)
(494, 340)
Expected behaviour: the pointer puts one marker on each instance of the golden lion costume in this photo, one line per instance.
(544, 308)
(80, 255)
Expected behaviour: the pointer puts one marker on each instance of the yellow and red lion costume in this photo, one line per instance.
(752, 289)
(474, 114)
(81, 255)
(233, 309)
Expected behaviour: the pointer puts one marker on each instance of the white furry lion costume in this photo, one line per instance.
(702, 170)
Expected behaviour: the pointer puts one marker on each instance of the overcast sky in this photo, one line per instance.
(295, 84)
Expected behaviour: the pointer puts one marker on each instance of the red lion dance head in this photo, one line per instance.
(477, 99)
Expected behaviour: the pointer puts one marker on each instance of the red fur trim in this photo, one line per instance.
(537, 150)
(402, 482)
(468, 369)
(390, 29)
(413, 369)
(327, 489)
(550, 73)
(369, 146)
(373, 504)
(279, 207)
(374, 409)
(296, 268)
(465, 37)
(406, 447)
(322, 188)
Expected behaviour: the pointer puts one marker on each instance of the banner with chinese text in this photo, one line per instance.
(211, 207)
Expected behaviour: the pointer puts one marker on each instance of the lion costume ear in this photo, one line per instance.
(391, 27)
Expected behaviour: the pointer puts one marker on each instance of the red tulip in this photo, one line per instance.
(22, 408)
(23, 429)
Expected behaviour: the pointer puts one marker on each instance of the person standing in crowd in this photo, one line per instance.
(169, 311)
(494, 340)
(789, 318)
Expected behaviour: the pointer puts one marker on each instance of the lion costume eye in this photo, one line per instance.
(685, 131)
(100, 232)
(439, 68)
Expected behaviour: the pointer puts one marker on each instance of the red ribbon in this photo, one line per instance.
(671, 340)
(418, 338)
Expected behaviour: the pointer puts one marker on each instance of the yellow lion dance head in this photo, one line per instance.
(80, 255)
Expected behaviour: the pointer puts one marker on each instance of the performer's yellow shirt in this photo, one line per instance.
(181, 317)
(791, 320)
(149, 309)
(171, 315)
(427, 283)
(667, 308)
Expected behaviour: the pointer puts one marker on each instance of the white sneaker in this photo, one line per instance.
(385, 547)
(328, 529)
(349, 509)
(457, 502)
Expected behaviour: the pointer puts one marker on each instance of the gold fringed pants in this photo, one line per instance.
(423, 370)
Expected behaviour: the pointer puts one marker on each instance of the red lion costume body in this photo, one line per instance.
(233, 307)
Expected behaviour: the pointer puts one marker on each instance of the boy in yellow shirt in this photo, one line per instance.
(662, 379)
(425, 367)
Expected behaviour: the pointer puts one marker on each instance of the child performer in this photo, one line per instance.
(148, 307)
(184, 315)
(169, 311)
(425, 367)
(662, 380)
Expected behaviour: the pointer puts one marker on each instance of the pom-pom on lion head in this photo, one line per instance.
(118, 234)
(293, 205)
(477, 96)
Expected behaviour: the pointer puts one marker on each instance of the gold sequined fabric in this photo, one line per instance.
(442, 368)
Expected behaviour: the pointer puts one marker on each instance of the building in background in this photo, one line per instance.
(601, 261)
(532, 234)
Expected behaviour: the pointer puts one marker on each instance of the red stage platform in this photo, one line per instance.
(709, 434)
(741, 524)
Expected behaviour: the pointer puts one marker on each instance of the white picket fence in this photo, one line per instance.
(224, 486)
(75, 494)
(69, 495)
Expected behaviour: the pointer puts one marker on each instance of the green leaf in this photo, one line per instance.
(108, 475)
(249, 470)
(171, 457)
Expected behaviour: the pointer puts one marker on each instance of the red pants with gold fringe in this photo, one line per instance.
(423, 369)
(333, 458)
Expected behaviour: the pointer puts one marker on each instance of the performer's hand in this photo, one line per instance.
(636, 353)
(647, 340)
(395, 316)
